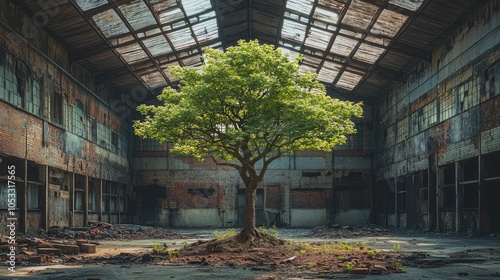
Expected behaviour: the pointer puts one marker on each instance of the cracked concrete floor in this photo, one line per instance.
(439, 248)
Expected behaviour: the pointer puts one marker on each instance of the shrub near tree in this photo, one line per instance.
(245, 108)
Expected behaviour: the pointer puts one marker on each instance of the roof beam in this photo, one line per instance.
(98, 31)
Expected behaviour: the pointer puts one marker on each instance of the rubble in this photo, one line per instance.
(338, 231)
(63, 245)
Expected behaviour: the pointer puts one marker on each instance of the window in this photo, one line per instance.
(447, 104)
(8, 80)
(79, 200)
(402, 127)
(33, 98)
(424, 118)
(103, 135)
(92, 197)
(468, 94)
(33, 196)
(492, 80)
(79, 120)
(56, 108)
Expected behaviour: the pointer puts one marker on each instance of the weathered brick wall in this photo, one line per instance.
(35, 137)
(470, 131)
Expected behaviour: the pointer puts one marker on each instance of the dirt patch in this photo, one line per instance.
(293, 258)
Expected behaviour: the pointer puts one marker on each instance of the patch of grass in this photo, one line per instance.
(341, 258)
(230, 232)
(399, 266)
(371, 253)
(349, 267)
(396, 247)
(158, 248)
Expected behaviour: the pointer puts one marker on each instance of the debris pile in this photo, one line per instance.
(338, 231)
(106, 231)
(67, 244)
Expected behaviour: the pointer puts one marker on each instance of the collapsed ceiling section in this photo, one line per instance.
(357, 47)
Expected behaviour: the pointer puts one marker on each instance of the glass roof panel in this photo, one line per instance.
(329, 71)
(327, 15)
(171, 15)
(359, 14)
(293, 30)
(110, 23)
(349, 80)
(90, 4)
(181, 38)
(206, 30)
(157, 45)
(132, 53)
(412, 5)
(304, 68)
(301, 6)
(388, 23)
(343, 45)
(154, 79)
(138, 15)
(318, 38)
(162, 5)
(368, 53)
(193, 7)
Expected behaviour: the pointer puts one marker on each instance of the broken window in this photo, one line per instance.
(33, 98)
(34, 195)
(22, 82)
(424, 117)
(8, 80)
(468, 94)
(492, 80)
(103, 135)
(447, 103)
(80, 122)
(402, 127)
(56, 108)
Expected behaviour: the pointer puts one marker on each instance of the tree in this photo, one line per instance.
(245, 108)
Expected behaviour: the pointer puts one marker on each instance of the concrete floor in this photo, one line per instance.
(438, 246)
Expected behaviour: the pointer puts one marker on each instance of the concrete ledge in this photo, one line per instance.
(67, 249)
(48, 251)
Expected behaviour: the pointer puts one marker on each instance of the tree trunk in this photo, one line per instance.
(249, 231)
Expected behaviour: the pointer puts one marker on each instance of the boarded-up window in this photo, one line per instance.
(308, 198)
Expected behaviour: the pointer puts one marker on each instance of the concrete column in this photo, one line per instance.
(86, 202)
(72, 201)
(99, 200)
(24, 203)
(45, 214)
(396, 212)
(457, 214)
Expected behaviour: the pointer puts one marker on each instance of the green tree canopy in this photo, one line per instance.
(244, 106)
